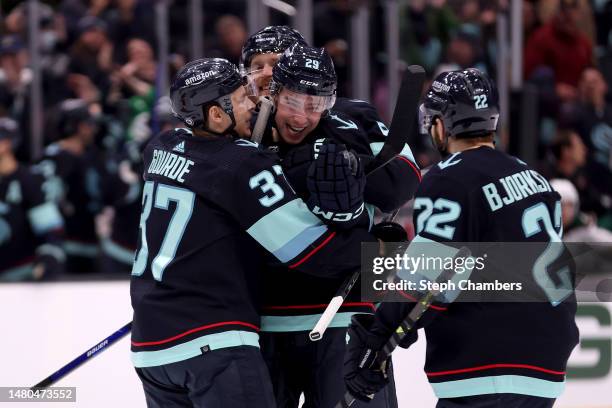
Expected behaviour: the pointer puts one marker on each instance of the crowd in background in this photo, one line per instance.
(99, 76)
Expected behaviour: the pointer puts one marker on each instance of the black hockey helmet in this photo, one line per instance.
(9, 129)
(201, 82)
(72, 113)
(305, 70)
(270, 39)
(465, 100)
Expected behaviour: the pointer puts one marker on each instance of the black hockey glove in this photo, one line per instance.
(388, 231)
(336, 182)
(363, 376)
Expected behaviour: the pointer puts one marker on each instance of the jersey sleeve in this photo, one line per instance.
(44, 217)
(393, 185)
(259, 197)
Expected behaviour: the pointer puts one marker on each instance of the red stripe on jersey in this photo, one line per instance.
(434, 307)
(491, 366)
(314, 251)
(197, 329)
(416, 170)
(321, 306)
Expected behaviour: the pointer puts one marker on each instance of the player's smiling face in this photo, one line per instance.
(261, 70)
(297, 115)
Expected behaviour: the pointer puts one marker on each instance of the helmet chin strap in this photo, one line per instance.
(443, 149)
(226, 104)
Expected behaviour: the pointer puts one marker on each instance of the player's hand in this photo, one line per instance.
(47, 267)
(336, 182)
(363, 376)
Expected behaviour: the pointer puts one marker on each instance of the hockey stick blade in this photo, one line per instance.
(404, 117)
(86, 356)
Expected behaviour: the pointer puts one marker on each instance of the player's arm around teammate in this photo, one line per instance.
(213, 206)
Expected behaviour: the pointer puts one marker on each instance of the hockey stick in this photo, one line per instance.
(402, 125)
(404, 117)
(265, 108)
(86, 356)
(408, 324)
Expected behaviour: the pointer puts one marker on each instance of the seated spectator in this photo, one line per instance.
(568, 159)
(30, 223)
(231, 33)
(134, 83)
(426, 31)
(561, 46)
(130, 19)
(577, 226)
(91, 54)
(15, 81)
(591, 116)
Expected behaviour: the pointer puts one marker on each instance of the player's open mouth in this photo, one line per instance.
(296, 130)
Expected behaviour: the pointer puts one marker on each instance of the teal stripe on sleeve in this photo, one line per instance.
(19, 273)
(406, 151)
(501, 384)
(44, 218)
(297, 245)
(288, 227)
(117, 252)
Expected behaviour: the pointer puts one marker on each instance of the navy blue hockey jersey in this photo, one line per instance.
(356, 124)
(30, 224)
(485, 196)
(212, 209)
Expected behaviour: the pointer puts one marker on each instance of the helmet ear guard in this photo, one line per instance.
(466, 101)
(201, 83)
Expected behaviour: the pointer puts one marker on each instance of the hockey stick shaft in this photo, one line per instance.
(402, 125)
(408, 324)
(86, 356)
(265, 108)
(404, 117)
(333, 307)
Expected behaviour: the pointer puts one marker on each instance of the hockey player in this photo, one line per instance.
(211, 201)
(481, 355)
(73, 165)
(30, 223)
(304, 89)
(261, 52)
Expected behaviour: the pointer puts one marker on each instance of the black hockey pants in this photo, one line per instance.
(298, 365)
(234, 377)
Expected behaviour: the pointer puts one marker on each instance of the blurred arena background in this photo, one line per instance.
(113, 59)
